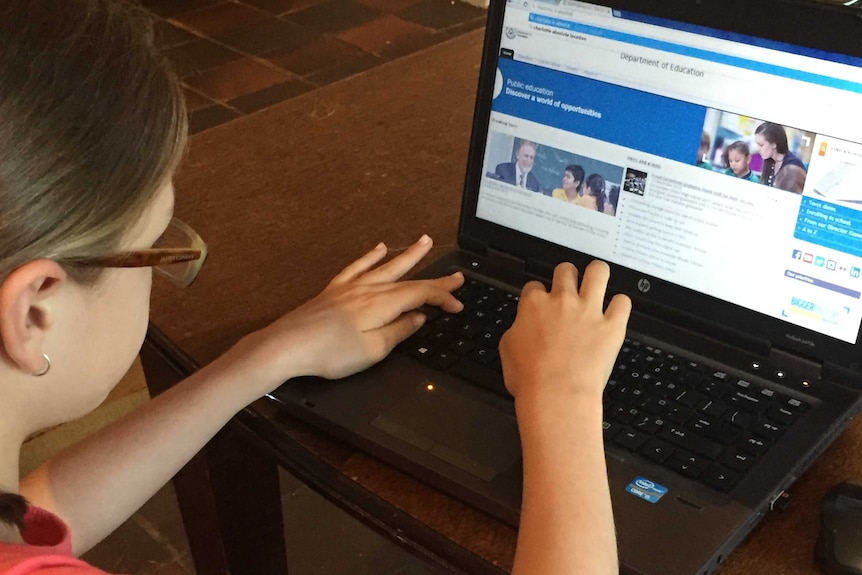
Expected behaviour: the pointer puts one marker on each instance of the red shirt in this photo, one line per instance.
(47, 549)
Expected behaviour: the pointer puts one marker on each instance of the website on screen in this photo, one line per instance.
(726, 167)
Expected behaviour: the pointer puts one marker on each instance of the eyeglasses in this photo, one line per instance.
(178, 254)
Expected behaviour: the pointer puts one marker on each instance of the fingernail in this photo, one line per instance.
(424, 240)
(419, 319)
(457, 275)
(380, 246)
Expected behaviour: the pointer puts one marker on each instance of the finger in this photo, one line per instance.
(393, 333)
(361, 265)
(395, 268)
(619, 309)
(565, 278)
(532, 286)
(595, 281)
(388, 302)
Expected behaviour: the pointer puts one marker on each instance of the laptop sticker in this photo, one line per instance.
(646, 489)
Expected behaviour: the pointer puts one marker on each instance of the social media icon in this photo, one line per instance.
(831, 265)
(797, 254)
(854, 272)
(823, 148)
(808, 258)
(820, 261)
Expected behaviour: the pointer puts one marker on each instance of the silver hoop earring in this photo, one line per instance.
(47, 366)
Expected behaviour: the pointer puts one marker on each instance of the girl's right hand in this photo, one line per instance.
(561, 341)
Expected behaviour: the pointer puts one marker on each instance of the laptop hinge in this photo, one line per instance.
(792, 363)
(539, 268)
(504, 261)
(475, 247)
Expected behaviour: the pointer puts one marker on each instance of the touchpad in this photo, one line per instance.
(461, 431)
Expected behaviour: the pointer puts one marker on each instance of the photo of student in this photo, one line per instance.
(635, 181)
(594, 196)
(613, 200)
(737, 158)
(573, 182)
(772, 146)
(519, 172)
(703, 151)
(791, 178)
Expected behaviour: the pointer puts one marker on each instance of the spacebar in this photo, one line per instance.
(481, 375)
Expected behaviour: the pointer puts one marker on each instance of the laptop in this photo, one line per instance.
(742, 360)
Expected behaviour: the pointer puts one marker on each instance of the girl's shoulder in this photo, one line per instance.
(47, 549)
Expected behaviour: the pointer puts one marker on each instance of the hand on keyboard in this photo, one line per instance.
(561, 340)
(357, 319)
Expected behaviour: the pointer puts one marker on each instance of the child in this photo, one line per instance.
(736, 157)
(93, 125)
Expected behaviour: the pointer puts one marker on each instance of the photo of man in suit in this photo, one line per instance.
(518, 172)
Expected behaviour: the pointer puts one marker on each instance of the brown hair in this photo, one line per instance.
(92, 123)
(774, 134)
(790, 178)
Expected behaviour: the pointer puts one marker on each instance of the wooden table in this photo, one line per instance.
(285, 198)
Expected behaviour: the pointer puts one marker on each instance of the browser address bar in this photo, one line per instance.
(698, 53)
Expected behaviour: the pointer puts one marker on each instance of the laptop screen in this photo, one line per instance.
(722, 163)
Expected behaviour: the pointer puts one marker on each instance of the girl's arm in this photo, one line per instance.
(362, 314)
(557, 357)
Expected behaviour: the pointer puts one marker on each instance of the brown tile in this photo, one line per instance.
(320, 55)
(462, 28)
(129, 549)
(172, 568)
(283, 6)
(200, 55)
(168, 8)
(196, 101)
(388, 6)
(205, 118)
(221, 19)
(333, 16)
(168, 35)
(442, 14)
(388, 35)
(270, 96)
(236, 79)
(161, 515)
(273, 35)
(344, 69)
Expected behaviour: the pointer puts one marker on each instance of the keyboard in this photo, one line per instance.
(688, 416)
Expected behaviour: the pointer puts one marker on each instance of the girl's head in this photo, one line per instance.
(573, 178)
(771, 140)
(703, 149)
(737, 157)
(92, 124)
(596, 187)
(791, 179)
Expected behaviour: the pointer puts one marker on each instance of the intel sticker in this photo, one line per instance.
(646, 489)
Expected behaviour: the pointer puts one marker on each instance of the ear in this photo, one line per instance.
(25, 311)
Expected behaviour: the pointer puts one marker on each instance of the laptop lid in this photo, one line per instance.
(718, 148)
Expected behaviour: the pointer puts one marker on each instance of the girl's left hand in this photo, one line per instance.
(356, 320)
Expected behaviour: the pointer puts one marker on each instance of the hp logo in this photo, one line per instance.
(644, 285)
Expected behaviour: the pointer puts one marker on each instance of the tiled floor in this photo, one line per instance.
(237, 57)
